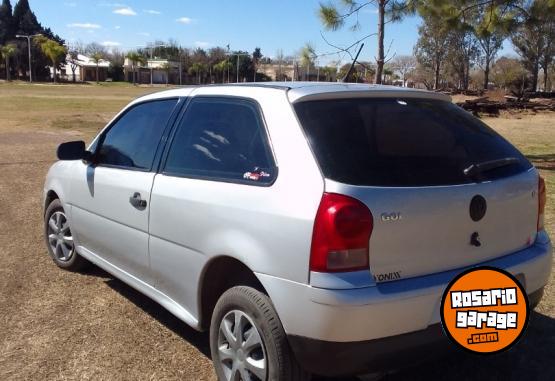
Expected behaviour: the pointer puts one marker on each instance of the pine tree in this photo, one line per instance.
(25, 22)
(6, 22)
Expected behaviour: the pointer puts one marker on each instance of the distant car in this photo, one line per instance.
(310, 227)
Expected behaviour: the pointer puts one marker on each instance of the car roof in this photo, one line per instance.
(303, 91)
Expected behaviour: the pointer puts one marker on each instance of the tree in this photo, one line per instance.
(404, 65)
(546, 58)
(6, 52)
(96, 58)
(245, 64)
(280, 61)
(223, 67)
(197, 69)
(54, 51)
(95, 48)
(73, 58)
(491, 24)
(117, 60)
(462, 52)
(135, 58)
(424, 75)
(334, 17)
(256, 57)
(6, 22)
(533, 37)
(490, 43)
(431, 48)
(307, 57)
(507, 71)
(25, 22)
(530, 44)
(329, 71)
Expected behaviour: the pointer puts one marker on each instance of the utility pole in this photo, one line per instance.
(238, 55)
(28, 37)
(152, 47)
(237, 68)
(180, 72)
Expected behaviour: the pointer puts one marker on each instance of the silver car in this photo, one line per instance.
(310, 227)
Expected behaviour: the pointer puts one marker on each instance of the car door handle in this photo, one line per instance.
(137, 201)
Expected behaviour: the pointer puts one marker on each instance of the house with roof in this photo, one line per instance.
(85, 68)
(153, 71)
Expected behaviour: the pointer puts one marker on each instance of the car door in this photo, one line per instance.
(215, 177)
(110, 196)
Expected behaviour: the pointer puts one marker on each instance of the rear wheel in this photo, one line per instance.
(247, 340)
(59, 239)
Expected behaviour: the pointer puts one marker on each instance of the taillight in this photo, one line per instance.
(542, 199)
(341, 235)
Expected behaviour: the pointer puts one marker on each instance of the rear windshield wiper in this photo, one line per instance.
(475, 169)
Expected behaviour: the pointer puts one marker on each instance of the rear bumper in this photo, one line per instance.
(384, 310)
(339, 359)
(334, 359)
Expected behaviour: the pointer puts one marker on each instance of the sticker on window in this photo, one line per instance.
(256, 174)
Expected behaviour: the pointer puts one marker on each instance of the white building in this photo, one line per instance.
(85, 69)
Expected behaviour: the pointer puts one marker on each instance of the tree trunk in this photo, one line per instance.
(545, 79)
(96, 73)
(486, 74)
(466, 74)
(133, 68)
(7, 68)
(381, 31)
(535, 75)
(54, 71)
(436, 76)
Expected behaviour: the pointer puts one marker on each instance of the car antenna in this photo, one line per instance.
(353, 64)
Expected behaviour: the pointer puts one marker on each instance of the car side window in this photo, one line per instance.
(131, 142)
(222, 139)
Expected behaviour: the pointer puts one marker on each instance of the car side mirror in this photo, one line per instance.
(73, 151)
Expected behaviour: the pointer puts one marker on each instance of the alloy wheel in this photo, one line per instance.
(241, 349)
(59, 236)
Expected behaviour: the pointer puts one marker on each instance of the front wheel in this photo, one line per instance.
(59, 239)
(247, 340)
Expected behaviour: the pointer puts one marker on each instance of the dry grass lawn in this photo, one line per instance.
(57, 325)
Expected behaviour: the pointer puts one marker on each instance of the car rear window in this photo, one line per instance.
(402, 142)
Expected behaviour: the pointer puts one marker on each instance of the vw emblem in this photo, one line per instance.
(478, 208)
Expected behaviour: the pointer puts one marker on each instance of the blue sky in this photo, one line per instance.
(244, 24)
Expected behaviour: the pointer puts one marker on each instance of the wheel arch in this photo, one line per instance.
(50, 196)
(219, 275)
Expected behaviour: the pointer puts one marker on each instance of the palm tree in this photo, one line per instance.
(97, 57)
(197, 68)
(328, 72)
(135, 58)
(222, 67)
(8, 51)
(54, 51)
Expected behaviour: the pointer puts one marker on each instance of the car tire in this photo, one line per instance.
(262, 351)
(59, 239)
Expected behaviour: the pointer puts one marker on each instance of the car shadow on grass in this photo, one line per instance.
(532, 358)
(198, 339)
